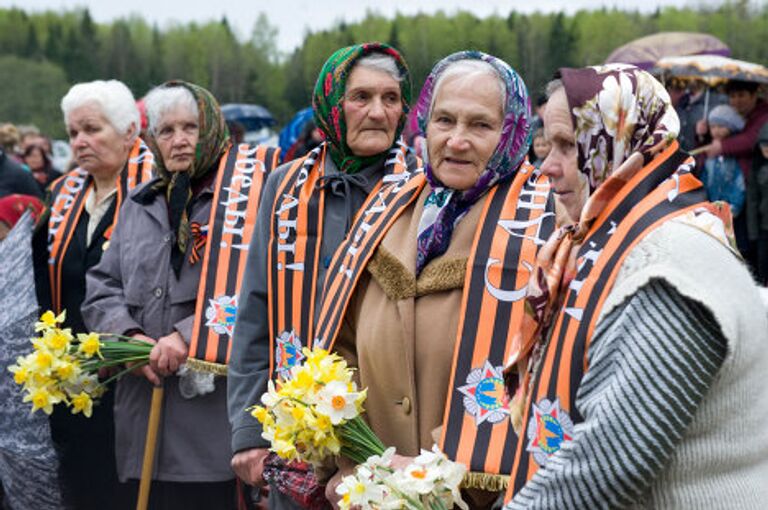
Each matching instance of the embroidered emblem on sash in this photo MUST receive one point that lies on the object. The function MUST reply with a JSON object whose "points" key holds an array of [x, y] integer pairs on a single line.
{"points": [[221, 314], [548, 428], [484, 396], [287, 353]]}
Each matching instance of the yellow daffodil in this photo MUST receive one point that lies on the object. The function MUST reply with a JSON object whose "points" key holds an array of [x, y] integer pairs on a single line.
{"points": [[82, 402], [20, 374], [49, 320], [43, 360], [57, 339], [66, 370], [42, 398], [90, 345]]}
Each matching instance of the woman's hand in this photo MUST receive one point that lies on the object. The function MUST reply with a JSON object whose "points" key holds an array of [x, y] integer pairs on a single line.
{"points": [[248, 465], [168, 354], [146, 370]]}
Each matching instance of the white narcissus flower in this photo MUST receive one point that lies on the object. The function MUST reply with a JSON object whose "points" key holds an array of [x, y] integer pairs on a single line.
{"points": [[337, 402], [360, 491], [385, 459]]}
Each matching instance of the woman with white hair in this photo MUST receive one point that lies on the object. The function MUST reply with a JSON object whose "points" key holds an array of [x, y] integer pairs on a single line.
{"points": [[103, 125], [151, 285], [427, 308]]}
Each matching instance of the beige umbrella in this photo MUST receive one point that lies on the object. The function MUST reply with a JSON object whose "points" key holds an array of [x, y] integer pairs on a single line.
{"points": [[646, 51], [712, 69]]}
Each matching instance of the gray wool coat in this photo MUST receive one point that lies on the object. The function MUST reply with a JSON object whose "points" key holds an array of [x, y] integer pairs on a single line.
{"points": [[135, 288]]}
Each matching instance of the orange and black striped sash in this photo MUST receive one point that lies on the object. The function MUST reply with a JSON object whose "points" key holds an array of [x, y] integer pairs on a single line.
{"points": [[238, 188], [68, 195], [517, 218], [662, 190], [294, 251]]}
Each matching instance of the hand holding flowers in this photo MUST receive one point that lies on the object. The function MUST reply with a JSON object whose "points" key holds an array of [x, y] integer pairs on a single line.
{"points": [[316, 413], [63, 368]]}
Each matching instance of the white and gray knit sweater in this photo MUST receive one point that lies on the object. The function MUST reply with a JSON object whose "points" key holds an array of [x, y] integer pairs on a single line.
{"points": [[675, 398]]}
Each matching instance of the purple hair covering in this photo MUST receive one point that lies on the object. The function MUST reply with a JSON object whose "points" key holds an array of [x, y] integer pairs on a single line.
{"points": [[445, 206]]}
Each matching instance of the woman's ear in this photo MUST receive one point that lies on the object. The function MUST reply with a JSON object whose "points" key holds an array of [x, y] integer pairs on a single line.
{"points": [[130, 135]]}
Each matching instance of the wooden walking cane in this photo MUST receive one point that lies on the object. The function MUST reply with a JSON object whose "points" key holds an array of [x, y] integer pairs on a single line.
{"points": [[153, 425]]}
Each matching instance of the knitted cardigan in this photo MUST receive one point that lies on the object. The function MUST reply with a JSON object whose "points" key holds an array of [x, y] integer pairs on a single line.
{"points": [[674, 401]]}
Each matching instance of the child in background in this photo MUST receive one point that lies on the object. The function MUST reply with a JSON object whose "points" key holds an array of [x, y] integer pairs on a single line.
{"points": [[757, 204], [722, 176], [540, 147]]}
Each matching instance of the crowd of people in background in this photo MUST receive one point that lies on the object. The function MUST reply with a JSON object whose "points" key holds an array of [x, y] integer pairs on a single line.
{"points": [[124, 244]]}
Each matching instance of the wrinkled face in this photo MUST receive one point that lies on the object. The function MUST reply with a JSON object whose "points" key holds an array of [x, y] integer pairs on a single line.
{"points": [[372, 109], [743, 101], [96, 146], [177, 134], [561, 165], [541, 147], [464, 129], [718, 132]]}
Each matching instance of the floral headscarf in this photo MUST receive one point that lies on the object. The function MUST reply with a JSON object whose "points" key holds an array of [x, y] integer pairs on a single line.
{"points": [[617, 111], [622, 118], [211, 145], [328, 105], [444, 206]]}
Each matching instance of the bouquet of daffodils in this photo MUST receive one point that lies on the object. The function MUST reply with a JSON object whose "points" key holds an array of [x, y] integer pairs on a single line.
{"points": [[431, 482], [63, 368], [316, 413]]}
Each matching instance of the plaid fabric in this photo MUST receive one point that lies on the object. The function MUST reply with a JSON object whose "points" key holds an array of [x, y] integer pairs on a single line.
{"points": [[297, 481]]}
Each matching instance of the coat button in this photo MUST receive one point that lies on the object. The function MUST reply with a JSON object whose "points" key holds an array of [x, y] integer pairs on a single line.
{"points": [[158, 292], [406, 403], [167, 238]]}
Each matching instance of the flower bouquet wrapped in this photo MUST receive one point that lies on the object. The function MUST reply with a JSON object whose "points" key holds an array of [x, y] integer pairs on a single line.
{"points": [[63, 368], [316, 413], [431, 482]]}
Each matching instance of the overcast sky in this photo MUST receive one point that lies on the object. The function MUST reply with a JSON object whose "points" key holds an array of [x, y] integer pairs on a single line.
{"points": [[294, 17]]}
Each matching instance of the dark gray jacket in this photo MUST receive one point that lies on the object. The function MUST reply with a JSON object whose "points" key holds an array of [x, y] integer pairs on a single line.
{"points": [[248, 369], [134, 288]]}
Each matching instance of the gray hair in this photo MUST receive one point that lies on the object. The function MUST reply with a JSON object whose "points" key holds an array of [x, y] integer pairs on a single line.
{"points": [[464, 70], [552, 87], [113, 98], [163, 99], [382, 63]]}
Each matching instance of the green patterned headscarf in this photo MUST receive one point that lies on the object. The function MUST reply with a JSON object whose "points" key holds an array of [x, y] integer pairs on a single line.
{"points": [[177, 186], [327, 102]]}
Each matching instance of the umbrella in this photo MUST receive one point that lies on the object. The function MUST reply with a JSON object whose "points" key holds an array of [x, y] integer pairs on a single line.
{"points": [[252, 116], [292, 130], [646, 51], [712, 69]]}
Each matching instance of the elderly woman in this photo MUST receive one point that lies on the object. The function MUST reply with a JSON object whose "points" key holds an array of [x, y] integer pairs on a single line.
{"points": [[360, 103], [147, 286], [102, 122], [652, 374], [428, 321]]}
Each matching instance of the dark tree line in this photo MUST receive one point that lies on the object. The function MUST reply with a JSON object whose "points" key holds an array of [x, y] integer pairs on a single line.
{"points": [[42, 54]]}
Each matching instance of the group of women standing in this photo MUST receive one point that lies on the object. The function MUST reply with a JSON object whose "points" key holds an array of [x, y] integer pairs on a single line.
{"points": [[560, 330]]}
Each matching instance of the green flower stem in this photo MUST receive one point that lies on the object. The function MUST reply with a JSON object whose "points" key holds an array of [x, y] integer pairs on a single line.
{"points": [[97, 364], [124, 339], [118, 375]]}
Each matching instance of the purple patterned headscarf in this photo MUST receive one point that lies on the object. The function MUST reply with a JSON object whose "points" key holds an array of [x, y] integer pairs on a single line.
{"points": [[444, 206]]}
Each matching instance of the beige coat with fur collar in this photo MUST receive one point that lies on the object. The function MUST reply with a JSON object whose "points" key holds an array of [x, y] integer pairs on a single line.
{"points": [[400, 331]]}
